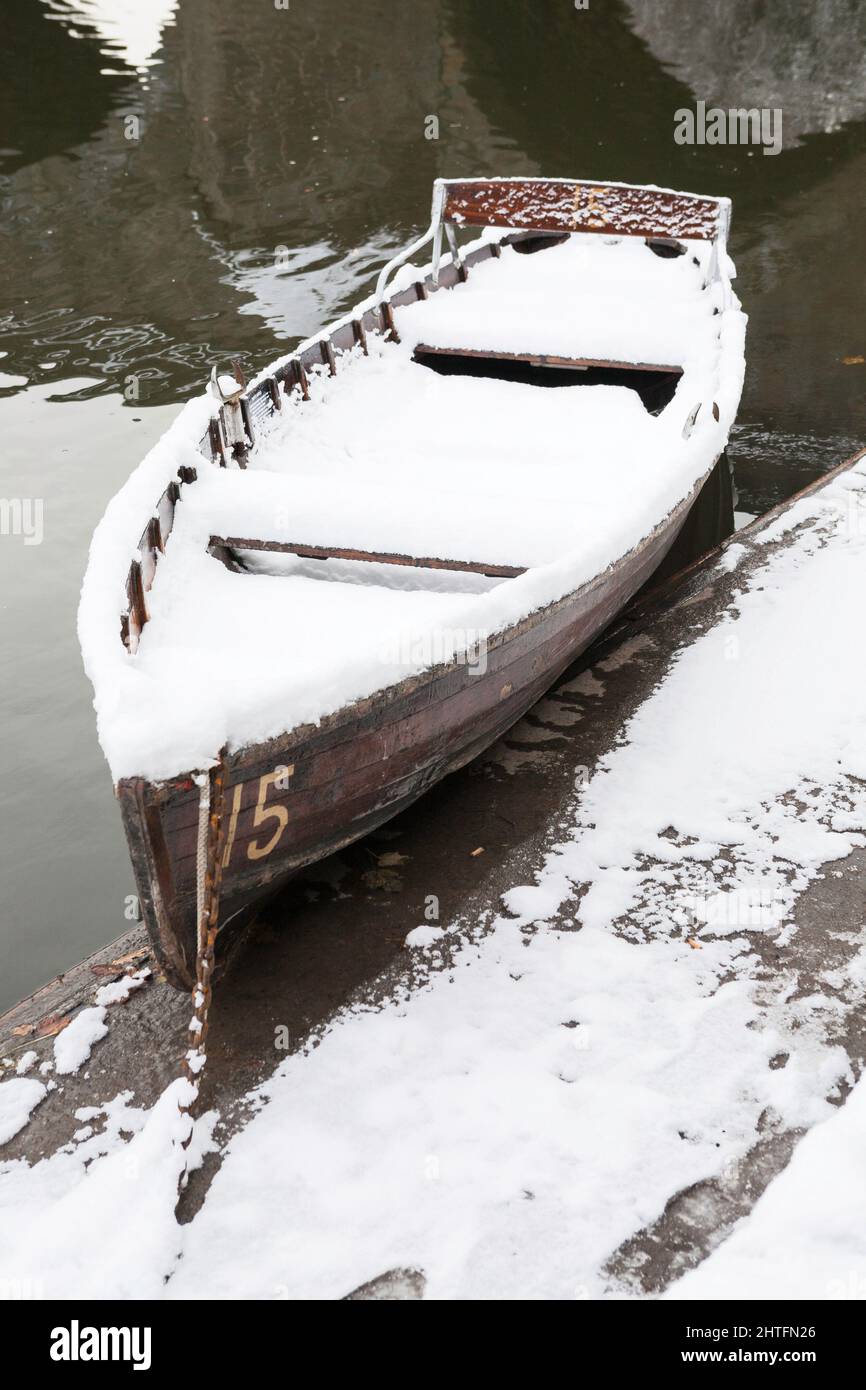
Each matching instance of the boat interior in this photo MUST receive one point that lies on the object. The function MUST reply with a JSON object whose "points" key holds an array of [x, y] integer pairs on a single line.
{"points": [[417, 455]]}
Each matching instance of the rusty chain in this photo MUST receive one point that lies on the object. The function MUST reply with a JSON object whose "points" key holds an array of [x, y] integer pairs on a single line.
{"points": [[210, 852]]}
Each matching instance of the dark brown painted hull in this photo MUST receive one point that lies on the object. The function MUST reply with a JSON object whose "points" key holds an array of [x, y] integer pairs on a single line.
{"points": [[300, 797]]}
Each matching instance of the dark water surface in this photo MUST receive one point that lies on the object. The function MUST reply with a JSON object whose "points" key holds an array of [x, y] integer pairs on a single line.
{"points": [[281, 157]]}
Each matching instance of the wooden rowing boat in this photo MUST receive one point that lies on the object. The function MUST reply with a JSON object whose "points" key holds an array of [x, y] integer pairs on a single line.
{"points": [[294, 491]]}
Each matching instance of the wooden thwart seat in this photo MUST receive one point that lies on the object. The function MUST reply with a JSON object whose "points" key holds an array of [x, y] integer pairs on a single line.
{"points": [[225, 547], [539, 359]]}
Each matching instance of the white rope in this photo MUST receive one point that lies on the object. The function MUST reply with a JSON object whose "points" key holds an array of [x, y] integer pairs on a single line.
{"points": [[201, 858]]}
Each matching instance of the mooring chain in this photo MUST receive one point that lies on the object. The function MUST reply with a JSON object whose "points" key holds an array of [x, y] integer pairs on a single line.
{"points": [[209, 867]]}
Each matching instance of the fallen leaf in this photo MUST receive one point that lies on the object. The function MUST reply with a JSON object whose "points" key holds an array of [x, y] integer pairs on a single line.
{"points": [[24, 1030], [475, 853], [52, 1024], [853, 361], [391, 858], [384, 879], [138, 954], [103, 970], [695, 945]]}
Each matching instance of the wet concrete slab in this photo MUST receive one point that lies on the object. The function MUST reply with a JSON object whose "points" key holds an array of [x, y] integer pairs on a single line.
{"points": [[337, 936]]}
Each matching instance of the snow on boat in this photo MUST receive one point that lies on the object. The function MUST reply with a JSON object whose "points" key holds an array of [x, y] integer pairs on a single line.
{"points": [[344, 581]]}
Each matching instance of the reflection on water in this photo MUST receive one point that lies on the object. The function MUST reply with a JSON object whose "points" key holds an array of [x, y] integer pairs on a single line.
{"points": [[772, 464], [807, 59], [297, 289], [63, 864], [128, 30], [278, 158]]}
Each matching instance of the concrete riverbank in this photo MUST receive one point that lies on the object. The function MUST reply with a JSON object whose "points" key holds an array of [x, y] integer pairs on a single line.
{"points": [[338, 938]]}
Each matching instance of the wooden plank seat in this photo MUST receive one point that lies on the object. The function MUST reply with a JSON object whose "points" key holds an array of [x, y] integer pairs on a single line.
{"points": [[547, 359], [226, 549]]}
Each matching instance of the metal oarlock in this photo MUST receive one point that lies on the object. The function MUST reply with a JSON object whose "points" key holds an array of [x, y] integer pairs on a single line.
{"points": [[433, 233], [691, 420]]}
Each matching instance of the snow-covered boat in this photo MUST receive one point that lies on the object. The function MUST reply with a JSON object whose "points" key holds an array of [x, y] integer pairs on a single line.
{"points": [[343, 581]]}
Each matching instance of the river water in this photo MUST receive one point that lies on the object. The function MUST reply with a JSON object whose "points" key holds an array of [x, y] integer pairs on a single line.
{"points": [[187, 182]]}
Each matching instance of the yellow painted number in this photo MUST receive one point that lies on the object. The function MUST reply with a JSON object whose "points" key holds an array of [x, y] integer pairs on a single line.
{"points": [[264, 813]]}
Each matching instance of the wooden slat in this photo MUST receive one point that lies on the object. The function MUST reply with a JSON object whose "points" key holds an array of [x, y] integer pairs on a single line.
{"points": [[247, 417], [154, 536], [148, 553], [165, 512], [300, 377], [135, 597], [151, 545], [388, 317], [360, 334], [274, 393], [217, 445], [538, 359], [556, 205], [317, 552]]}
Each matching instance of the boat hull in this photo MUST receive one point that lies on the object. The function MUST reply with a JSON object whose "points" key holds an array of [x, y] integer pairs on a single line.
{"points": [[301, 797]]}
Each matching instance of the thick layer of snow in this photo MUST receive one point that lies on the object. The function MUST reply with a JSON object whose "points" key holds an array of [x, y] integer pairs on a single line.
{"points": [[72, 1047], [425, 936], [340, 641], [760, 714], [625, 305], [96, 1219], [507, 1127], [18, 1099], [390, 456], [505, 1130], [806, 1238], [518, 474]]}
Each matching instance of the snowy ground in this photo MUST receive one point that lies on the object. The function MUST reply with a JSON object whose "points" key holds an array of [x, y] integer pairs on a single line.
{"points": [[620, 1035]]}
